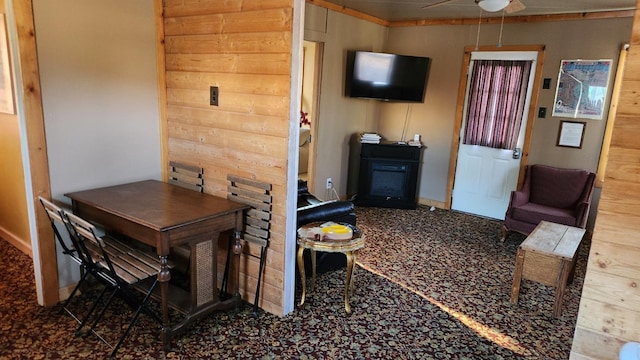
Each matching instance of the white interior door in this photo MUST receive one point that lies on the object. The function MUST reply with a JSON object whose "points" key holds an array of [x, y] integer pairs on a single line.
{"points": [[486, 176]]}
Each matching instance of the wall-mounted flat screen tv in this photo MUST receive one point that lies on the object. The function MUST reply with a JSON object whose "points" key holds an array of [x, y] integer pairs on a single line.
{"points": [[383, 76]]}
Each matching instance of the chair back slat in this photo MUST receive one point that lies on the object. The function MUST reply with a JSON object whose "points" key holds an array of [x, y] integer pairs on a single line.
{"points": [[256, 240], [120, 267], [257, 222], [258, 214], [256, 194], [186, 176], [246, 197], [54, 213]]}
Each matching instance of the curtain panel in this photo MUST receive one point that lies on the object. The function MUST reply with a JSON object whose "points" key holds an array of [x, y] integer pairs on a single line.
{"points": [[495, 108]]}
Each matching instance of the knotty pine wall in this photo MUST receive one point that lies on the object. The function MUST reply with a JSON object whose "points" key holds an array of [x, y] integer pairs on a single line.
{"points": [[244, 47], [609, 312]]}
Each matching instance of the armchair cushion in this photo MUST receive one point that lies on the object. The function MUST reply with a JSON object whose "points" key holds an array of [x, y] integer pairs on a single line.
{"points": [[557, 188], [548, 193]]}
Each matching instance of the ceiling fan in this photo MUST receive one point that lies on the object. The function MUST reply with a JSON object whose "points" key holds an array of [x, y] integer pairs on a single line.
{"points": [[509, 6]]}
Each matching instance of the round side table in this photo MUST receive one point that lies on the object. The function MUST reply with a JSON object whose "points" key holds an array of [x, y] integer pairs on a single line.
{"points": [[310, 239]]}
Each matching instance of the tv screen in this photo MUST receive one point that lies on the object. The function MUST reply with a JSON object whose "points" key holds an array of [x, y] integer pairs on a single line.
{"points": [[383, 76]]}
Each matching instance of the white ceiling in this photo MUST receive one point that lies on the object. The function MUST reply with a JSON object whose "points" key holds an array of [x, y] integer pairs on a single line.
{"points": [[402, 10]]}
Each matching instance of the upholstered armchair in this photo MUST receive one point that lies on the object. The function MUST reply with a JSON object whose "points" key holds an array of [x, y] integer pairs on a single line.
{"points": [[553, 194]]}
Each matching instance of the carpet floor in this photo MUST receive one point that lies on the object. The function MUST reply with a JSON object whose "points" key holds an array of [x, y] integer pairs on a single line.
{"points": [[429, 285]]}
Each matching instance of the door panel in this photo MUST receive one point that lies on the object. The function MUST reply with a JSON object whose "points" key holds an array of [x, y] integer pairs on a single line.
{"points": [[484, 176], [484, 180]]}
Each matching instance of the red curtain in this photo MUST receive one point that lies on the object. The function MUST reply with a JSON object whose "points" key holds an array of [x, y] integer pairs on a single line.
{"points": [[497, 95]]}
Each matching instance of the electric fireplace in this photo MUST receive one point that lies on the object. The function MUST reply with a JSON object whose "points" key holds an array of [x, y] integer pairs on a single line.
{"points": [[388, 175]]}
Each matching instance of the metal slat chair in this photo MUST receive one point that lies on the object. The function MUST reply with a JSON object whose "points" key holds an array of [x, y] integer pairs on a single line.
{"points": [[75, 251], [257, 223], [188, 177], [130, 269]]}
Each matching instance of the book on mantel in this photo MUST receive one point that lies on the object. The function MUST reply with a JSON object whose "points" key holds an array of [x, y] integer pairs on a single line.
{"points": [[370, 138]]}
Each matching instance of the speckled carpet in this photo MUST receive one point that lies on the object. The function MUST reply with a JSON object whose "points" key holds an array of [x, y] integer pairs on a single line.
{"points": [[430, 285]]}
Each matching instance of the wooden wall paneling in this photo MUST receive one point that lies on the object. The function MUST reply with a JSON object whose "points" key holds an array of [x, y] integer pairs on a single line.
{"points": [[198, 7], [616, 259], [271, 42], [243, 103], [628, 164], [265, 125], [264, 84], [615, 228], [617, 196], [271, 293], [244, 48], [610, 302], [595, 345], [269, 63], [609, 319], [633, 60], [628, 128], [259, 144], [256, 21]]}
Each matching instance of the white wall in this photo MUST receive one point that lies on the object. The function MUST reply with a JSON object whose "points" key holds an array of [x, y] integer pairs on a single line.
{"points": [[99, 89]]}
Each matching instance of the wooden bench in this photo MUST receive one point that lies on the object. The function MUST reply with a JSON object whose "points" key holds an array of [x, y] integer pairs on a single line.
{"points": [[547, 256]]}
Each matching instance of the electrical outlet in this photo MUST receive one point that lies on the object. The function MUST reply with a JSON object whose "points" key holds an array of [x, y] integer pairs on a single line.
{"points": [[213, 95], [329, 184]]}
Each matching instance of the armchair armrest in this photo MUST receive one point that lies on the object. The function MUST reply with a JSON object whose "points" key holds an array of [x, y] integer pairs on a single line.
{"points": [[519, 198], [582, 214]]}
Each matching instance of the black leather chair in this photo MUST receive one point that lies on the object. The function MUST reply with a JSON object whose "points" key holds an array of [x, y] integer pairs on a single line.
{"points": [[312, 209]]}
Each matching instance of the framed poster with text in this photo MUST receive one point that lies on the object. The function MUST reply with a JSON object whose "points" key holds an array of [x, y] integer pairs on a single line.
{"points": [[582, 89]]}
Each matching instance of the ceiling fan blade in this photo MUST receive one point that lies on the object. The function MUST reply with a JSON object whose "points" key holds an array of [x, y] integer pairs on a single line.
{"points": [[436, 3], [514, 6]]}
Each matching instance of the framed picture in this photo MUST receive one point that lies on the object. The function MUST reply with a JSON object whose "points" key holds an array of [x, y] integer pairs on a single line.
{"points": [[6, 87], [582, 89], [571, 134]]}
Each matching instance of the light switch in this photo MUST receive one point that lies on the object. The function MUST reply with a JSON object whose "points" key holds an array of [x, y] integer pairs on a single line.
{"points": [[542, 112], [213, 95]]}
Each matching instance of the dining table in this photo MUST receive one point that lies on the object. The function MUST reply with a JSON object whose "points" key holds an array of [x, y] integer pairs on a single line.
{"points": [[163, 216]]}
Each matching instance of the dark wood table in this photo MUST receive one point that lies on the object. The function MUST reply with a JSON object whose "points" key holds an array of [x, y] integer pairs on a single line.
{"points": [[162, 215]]}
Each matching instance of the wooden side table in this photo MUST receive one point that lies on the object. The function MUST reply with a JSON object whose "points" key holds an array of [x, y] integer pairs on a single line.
{"points": [[547, 256], [308, 239]]}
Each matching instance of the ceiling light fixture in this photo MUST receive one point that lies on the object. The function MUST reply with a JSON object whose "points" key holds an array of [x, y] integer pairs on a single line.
{"points": [[493, 5]]}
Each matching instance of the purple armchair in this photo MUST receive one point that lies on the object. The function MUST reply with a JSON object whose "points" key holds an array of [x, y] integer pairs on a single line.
{"points": [[548, 193]]}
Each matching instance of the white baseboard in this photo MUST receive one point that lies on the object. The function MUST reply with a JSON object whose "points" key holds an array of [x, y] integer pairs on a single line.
{"points": [[64, 292], [21, 244]]}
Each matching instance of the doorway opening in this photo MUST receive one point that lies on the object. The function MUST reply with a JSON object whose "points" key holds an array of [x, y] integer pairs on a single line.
{"points": [[309, 111]]}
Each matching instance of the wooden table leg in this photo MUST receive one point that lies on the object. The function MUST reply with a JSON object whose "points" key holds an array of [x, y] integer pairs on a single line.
{"points": [[517, 276], [347, 285], [565, 269], [164, 275], [303, 279], [237, 250], [313, 269]]}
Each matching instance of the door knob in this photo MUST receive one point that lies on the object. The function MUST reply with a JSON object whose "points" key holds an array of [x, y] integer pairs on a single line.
{"points": [[517, 153]]}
